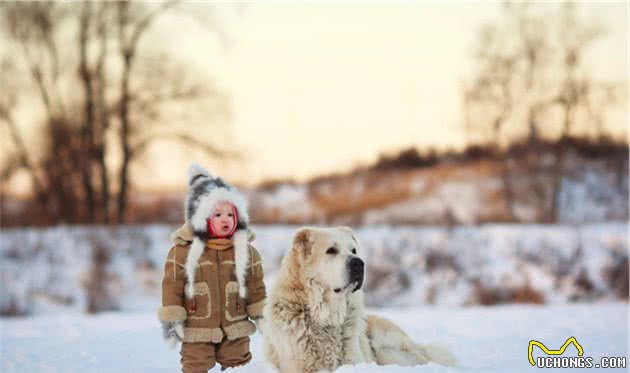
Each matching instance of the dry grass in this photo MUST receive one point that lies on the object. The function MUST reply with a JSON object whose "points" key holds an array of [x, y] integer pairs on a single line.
{"points": [[491, 295]]}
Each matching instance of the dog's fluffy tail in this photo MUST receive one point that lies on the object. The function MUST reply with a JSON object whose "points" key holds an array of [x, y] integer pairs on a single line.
{"points": [[391, 345], [440, 354]]}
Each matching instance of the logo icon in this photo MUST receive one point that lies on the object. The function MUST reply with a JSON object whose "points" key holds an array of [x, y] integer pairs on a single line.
{"points": [[559, 351]]}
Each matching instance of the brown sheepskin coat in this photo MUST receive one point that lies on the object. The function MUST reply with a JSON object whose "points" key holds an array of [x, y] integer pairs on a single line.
{"points": [[219, 310]]}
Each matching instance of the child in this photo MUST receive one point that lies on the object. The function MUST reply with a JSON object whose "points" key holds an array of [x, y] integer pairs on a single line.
{"points": [[213, 278]]}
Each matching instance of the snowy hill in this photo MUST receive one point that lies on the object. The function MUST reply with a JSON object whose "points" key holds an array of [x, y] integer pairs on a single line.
{"points": [[516, 189], [492, 339]]}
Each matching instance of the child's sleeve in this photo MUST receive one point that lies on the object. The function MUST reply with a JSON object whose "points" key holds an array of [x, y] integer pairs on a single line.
{"points": [[256, 292], [173, 287]]}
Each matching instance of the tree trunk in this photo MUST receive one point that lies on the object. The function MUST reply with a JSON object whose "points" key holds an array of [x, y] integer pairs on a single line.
{"points": [[508, 190], [558, 172], [128, 48], [124, 139], [87, 137], [103, 116]]}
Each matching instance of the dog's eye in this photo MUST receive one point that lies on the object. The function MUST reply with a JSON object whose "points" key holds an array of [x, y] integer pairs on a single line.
{"points": [[354, 251], [332, 251]]}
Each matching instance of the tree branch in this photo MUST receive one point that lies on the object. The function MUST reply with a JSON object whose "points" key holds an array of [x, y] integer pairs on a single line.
{"points": [[144, 24], [21, 152], [210, 149]]}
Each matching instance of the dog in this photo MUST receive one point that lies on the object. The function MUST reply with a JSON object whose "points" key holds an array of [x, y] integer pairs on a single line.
{"points": [[314, 316]]}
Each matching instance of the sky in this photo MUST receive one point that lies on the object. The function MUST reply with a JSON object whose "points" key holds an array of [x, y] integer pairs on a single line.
{"points": [[318, 87]]}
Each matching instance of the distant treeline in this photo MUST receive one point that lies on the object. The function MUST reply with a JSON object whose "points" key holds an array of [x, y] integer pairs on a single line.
{"points": [[587, 147]]}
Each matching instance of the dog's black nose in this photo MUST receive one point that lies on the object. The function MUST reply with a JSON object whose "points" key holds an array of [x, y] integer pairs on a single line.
{"points": [[356, 265], [356, 268]]}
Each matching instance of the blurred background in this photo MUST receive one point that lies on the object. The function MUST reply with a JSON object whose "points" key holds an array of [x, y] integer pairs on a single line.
{"points": [[479, 150]]}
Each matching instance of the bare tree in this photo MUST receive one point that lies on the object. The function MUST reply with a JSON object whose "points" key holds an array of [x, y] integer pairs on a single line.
{"points": [[510, 84], [69, 172], [31, 27], [87, 127], [165, 86], [103, 122], [575, 88], [529, 65], [492, 96], [131, 27]]}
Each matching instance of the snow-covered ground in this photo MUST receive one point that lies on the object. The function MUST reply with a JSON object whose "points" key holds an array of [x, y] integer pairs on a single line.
{"points": [[484, 339], [44, 273]]}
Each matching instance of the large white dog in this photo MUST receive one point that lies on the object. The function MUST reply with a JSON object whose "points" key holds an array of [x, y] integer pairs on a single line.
{"points": [[314, 317]]}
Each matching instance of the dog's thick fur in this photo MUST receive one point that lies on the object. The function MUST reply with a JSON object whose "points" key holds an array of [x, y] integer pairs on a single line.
{"points": [[308, 327]]}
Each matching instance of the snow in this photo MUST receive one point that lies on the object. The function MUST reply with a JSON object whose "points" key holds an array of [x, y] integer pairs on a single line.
{"points": [[484, 339], [590, 190], [44, 271], [592, 194], [277, 200]]}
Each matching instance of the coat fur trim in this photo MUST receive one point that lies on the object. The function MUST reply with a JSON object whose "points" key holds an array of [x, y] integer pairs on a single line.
{"points": [[239, 329], [241, 240], [193, 335], [172, 313], [184, 235]]}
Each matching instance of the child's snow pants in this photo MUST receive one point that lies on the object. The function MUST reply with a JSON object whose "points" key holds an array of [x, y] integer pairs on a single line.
{"points": [[200, 357]]}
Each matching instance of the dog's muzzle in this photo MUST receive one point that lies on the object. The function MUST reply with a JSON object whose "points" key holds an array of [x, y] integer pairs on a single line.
{"points": [[356, 269]]}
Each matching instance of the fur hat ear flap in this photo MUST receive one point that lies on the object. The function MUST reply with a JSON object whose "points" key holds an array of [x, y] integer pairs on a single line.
{"points": [[192, 261], [240, 239], [301, 242]]}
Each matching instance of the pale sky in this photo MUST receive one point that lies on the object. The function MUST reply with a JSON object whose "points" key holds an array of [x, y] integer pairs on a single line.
{"points": [[317, 88]]}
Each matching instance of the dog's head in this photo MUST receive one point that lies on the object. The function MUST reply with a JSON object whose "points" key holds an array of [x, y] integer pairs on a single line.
{"points": [[331, 258]]}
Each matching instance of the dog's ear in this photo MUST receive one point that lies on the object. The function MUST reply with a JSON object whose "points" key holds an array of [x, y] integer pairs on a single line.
{"points": [[302, 241], [348, 230]]}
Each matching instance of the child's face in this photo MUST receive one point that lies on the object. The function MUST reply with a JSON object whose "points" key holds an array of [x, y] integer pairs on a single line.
{"points": [[223, 219]]}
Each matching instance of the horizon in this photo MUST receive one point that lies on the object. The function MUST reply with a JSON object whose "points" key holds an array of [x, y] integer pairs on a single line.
{"points": [[441, 156]]}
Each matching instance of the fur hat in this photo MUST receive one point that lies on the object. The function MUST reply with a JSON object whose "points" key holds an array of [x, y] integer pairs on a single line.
{"points": [[205, 192]]}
